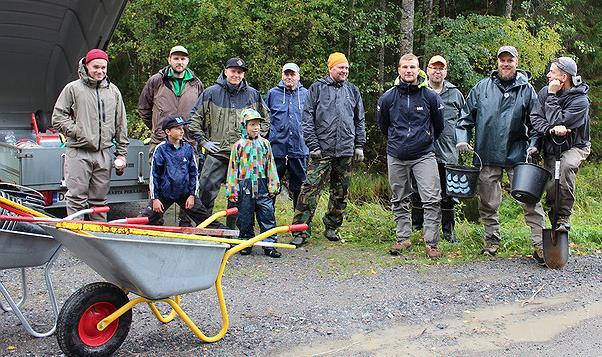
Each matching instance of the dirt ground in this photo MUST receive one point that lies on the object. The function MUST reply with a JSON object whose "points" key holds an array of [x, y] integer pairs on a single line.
{"points": [[311, 302]]}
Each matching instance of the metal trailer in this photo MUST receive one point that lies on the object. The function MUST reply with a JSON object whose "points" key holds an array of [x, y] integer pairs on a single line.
{"points": [[41, 43]]}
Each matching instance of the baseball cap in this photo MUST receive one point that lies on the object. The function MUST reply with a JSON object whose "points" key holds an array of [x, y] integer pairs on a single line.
{"points": [[566, 64], [250, 114], [178, 48], [510, 49], [290, 67], [96, 54], [173, 120], [438, 59], [236, 62]]}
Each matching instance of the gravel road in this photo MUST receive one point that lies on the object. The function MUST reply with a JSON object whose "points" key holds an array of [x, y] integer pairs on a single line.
{"points": [[331, 299]]}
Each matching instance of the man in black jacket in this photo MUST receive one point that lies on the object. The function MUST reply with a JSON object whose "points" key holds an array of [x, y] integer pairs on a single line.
{"points": [[334, 131], [561, 116], [410, 115]]}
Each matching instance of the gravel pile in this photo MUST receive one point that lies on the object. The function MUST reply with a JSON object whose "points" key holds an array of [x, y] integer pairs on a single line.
{"points": [[277, 305]]}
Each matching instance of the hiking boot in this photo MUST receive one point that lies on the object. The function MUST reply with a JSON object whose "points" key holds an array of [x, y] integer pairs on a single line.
{"points": [[299, 240], [398, 247], [490, 249], [450, 237], [538, 255], [332, 235], [433, 252], [272, 253], [246, 251]]}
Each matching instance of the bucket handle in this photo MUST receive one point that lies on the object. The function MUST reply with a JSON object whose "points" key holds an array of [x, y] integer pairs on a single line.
{"points": [[478, 157]]}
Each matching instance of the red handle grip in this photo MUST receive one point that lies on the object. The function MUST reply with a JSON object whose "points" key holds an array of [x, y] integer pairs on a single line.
{"points": [[101, 209], [137, 220], [298, 227], [231, 211], [18, 218]]}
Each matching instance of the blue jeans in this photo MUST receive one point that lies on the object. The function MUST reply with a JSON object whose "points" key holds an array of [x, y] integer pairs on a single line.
{"points": [[249, 207]]}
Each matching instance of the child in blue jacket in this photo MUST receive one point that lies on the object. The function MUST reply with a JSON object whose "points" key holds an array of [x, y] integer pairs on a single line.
{"points": [[173, 177]]}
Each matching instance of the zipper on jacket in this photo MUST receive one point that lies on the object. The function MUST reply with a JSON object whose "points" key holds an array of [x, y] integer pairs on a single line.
{"points": [[408, 113], [100, 115]]}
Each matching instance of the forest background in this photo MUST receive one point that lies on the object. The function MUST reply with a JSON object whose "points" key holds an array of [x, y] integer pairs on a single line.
{"points": [[373, 35]]}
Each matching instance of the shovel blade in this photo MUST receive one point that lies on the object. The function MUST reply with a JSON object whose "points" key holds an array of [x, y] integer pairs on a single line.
{"points": [[555, 248]]}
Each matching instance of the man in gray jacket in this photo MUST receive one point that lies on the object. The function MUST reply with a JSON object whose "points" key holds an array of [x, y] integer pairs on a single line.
{"points": [[498, 109], [561, 116], [90, 113], [445, 146], [334, 131]]}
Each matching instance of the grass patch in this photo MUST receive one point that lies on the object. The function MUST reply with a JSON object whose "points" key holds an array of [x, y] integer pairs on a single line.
{"points": [[369, 228]]}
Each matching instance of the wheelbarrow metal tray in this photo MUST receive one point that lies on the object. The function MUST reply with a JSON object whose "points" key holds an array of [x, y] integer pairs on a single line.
{"points": [[152, 267], [23, 249]]}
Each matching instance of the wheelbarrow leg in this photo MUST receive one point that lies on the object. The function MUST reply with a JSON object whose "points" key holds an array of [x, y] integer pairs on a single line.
{"points": [[23, 297]]}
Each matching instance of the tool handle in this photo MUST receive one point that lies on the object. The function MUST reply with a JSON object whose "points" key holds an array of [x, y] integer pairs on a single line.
{"points": [[101, 209], [231, 211], [298, 227]]}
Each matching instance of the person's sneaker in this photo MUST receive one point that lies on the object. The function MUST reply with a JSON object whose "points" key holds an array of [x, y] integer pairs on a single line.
{"points": [[298, 241], [490, 249], [272, 253], [398, 247], [433, 252], [563, 227], [538, 255], [246, 251], [332, 235]]}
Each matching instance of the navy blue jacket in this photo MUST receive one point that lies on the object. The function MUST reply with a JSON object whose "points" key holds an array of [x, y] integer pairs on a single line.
{"points": [[286, 111], [173, 171], [411, 117]]}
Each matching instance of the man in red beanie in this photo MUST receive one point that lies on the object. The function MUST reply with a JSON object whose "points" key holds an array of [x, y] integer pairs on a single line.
{"points": [[90, 113]]}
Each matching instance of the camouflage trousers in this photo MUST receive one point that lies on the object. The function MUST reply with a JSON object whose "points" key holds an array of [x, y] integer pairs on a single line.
{"points": [[337, 171]]}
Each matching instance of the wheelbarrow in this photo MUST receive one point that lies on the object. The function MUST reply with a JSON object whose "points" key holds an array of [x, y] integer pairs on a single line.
{"points": [[157, 266], [23, 246]]}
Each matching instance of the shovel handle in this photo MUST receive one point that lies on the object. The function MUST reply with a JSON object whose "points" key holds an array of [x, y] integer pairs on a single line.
{"points": [[231, 211]]}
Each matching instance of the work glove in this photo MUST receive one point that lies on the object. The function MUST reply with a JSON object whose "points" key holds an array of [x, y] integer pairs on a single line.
{"points": [[211, 146], [316, 154], [463, 147], [358, 156], [532, 151]]}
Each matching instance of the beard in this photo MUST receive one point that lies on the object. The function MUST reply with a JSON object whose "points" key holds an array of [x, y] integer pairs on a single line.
{"points": [[508, 76]]}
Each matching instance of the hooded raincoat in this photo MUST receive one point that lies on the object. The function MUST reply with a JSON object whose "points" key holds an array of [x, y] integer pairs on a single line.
{"points": [[499, 113]]}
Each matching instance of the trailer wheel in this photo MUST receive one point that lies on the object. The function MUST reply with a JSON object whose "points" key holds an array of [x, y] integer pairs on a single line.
{"points": [[76, 330]]}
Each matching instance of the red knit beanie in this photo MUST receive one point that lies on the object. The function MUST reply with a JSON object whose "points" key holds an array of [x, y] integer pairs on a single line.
{"points": [[96, 54]]}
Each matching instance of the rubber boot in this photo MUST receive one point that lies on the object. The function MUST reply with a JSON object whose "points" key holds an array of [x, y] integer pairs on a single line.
{"points": [[447, 224]]}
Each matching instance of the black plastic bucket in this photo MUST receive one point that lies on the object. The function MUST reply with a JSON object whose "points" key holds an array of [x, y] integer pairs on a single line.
{"points": [[461, 181], [529, 182]]}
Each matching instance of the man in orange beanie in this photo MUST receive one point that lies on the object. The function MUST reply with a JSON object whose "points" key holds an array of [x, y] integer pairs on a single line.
{"points": [[334, 131]]}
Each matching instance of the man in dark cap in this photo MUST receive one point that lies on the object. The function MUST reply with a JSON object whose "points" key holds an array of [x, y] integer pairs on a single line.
{"points": [[89, 155], [561, 116], [215, 120], [498, 109]]}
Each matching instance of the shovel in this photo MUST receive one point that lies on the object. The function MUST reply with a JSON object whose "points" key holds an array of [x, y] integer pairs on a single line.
{"points": [[556, 240]]}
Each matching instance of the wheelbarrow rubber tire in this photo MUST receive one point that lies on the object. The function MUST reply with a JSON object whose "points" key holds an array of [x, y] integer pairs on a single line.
{"points": [[76, 327]]}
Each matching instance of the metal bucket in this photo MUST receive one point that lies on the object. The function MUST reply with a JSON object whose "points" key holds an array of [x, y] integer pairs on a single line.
{"points": [[461, 181], [529, 182]]}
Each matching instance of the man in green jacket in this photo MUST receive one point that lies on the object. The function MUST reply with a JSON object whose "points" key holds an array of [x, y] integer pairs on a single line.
{"points": [[90, 113], [215, 125], [498, 109]]}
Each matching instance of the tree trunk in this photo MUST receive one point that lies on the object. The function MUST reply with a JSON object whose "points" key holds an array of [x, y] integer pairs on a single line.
{"points": [[407, 27], [381, 50], [508, 9], [428, 9]]}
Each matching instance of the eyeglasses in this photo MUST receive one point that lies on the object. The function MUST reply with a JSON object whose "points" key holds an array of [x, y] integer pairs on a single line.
{"points": [[435, 69]]}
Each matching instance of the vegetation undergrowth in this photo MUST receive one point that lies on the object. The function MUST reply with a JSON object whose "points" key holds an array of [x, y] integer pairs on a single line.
{"points": [[369, 228]]}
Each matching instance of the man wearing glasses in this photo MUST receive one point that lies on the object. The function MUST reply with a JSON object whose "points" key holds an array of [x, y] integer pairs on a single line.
{"points": [[445, 146]]}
